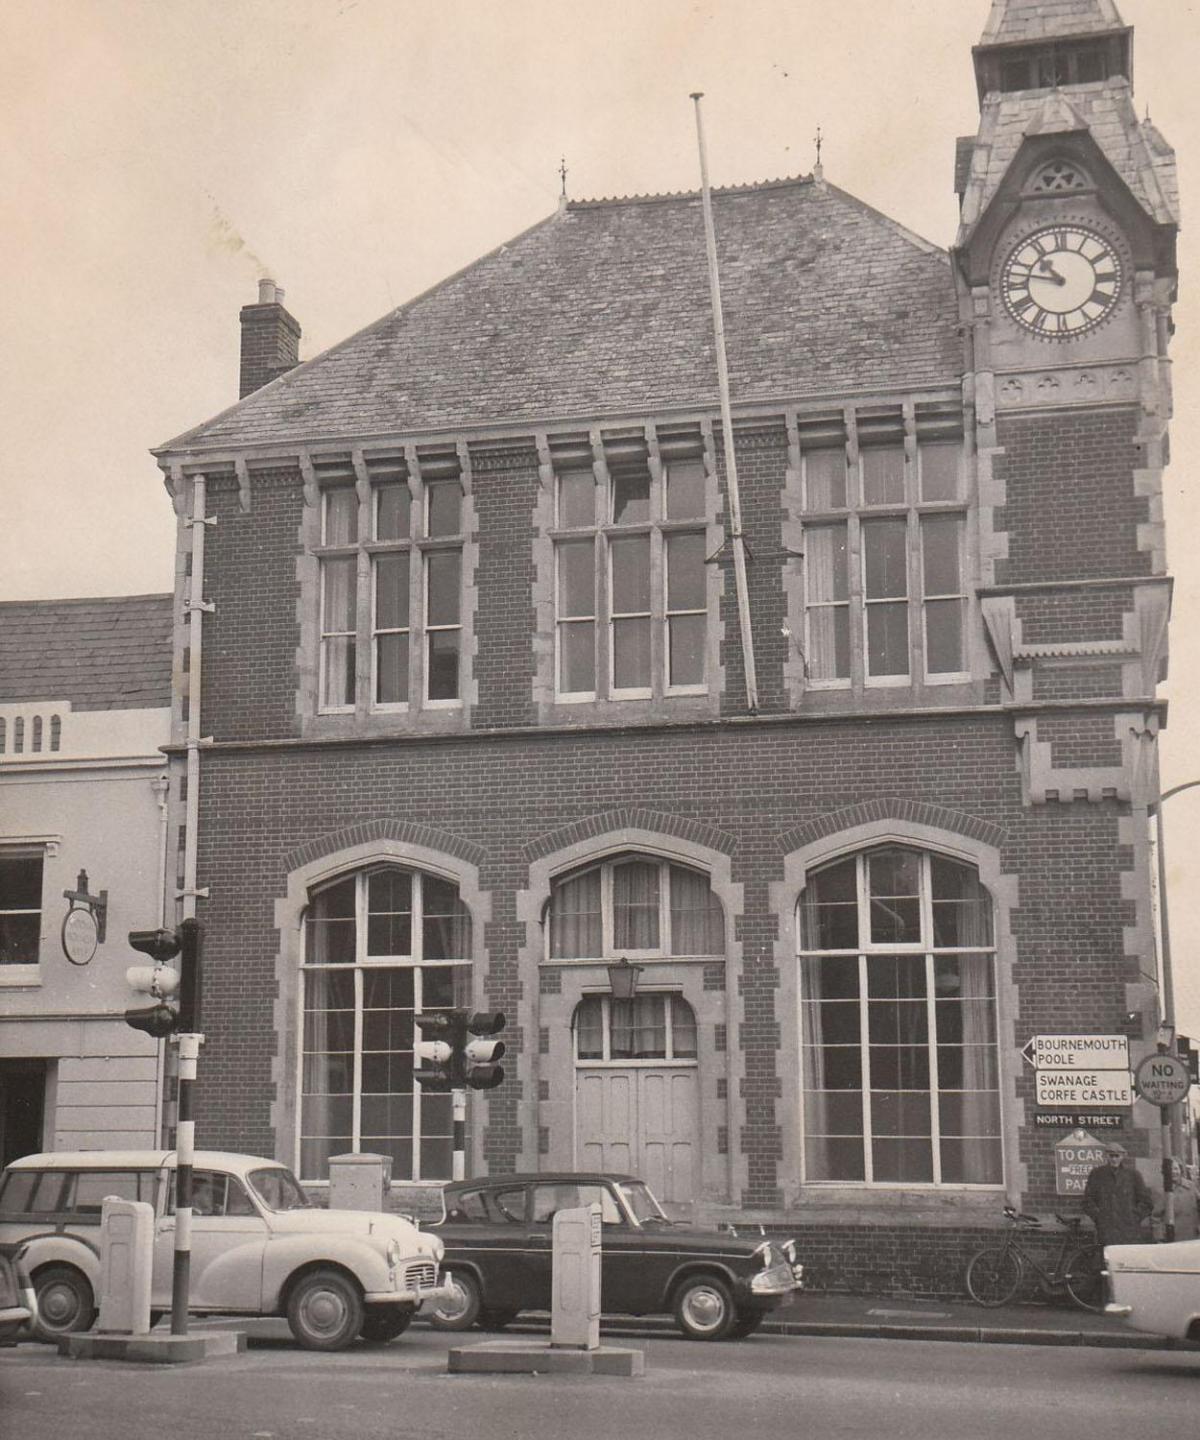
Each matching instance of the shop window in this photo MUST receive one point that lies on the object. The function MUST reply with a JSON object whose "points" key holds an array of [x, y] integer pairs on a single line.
{"points": [[899, 1066], [20, 906], [380, 947]]}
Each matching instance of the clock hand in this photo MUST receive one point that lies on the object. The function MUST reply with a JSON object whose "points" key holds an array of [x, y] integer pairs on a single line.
{"points": [[1048, 272]]}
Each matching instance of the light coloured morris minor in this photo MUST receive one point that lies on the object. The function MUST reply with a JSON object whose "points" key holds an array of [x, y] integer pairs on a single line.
{"points": [[259, 1247], [1155, 1287]]}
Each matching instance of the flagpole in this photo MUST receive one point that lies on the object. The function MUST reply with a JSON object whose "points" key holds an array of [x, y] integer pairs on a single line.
{"points": [[731, 475]]}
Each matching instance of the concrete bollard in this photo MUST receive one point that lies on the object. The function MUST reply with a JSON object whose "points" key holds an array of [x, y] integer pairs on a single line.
{"points": [[126, 1265], [575, 1279]]}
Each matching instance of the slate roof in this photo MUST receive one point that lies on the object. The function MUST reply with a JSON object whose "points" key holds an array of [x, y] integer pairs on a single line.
{"points": [[104, 653], [603, 309], [1015, 22], [1135, 148]]}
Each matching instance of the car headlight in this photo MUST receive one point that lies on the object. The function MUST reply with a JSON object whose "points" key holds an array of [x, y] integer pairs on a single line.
{"points": [[394, 1253], [763, 1252], [439, 1248]]}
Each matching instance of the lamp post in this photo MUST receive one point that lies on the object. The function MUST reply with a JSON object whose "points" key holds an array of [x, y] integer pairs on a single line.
{"points": [[1172, 1127]]}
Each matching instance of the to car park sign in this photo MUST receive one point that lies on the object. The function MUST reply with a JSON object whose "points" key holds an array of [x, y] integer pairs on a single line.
{"points": [[1075, 1156]]}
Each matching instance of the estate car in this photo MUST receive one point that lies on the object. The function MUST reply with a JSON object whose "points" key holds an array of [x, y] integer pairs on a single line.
{"points": [[1155, 1287], [259, 1247], [498, 1237]]}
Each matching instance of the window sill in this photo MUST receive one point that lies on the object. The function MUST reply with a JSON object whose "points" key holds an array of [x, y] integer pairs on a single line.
{"points": [[20, 976]]}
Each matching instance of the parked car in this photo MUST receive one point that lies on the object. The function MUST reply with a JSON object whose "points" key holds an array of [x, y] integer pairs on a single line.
{"points": [[498, 1238], [18, 1305], [259, 1247], [1155, 1287]]}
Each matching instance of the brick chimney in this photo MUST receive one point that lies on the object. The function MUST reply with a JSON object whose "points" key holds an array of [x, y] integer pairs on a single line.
{"points": [[270, 339]]}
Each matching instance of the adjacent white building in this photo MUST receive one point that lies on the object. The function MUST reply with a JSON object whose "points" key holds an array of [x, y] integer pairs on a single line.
{"points": [[85, 691]]}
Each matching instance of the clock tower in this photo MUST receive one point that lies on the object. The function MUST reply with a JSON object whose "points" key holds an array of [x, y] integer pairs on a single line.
{"points": [[1065, 267]]}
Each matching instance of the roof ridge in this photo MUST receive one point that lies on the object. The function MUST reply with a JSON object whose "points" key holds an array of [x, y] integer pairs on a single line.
{"points": [[665, 196], [164, 595]]}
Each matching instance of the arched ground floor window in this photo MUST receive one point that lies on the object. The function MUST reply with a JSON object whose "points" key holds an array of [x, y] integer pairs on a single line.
{"points": [[899, 1069], [379, 946]]}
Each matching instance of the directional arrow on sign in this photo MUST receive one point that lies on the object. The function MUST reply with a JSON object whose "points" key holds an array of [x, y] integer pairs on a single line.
{"points": [[1027, 1051]]}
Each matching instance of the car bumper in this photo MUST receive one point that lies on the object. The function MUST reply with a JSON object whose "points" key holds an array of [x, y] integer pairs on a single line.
{"points": [[411, 1295], [777, 1281]]}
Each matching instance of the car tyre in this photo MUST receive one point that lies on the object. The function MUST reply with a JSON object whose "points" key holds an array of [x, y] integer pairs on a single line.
{"points": [[325, 1311], [382, 1323], [704, 1308], [65, 1300], [463, 1308], [746, 1323], [490, 1319]]}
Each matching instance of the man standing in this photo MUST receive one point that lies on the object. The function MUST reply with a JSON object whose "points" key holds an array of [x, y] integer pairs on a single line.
{"points": [[1116, 1199]]}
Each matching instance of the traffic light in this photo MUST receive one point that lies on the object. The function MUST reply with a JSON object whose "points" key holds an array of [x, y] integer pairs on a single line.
{"points": [[448, 1058], [174, 992], [159, 981], [480, 1070], [434, 1057], [1187, 1051]]}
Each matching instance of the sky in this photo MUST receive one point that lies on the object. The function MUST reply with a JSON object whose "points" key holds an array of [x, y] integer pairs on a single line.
{"points": [[159, 157]]}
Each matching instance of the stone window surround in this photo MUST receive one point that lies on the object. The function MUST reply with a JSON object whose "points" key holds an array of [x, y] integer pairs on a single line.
{"points": [[406, 464], [289, 921], [910, 423], [784, 900], [658, 443], [685, 976]]}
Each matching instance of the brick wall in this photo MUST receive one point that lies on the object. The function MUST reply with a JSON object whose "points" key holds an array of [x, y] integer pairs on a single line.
{"points": [[1070, 509]]}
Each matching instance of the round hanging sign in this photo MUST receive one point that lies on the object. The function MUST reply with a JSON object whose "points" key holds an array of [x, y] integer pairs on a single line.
{"points": [[79, 935]]}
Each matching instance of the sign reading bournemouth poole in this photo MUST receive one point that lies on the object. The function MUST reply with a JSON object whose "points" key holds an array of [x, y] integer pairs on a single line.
{"points": [[1081, 1071]]}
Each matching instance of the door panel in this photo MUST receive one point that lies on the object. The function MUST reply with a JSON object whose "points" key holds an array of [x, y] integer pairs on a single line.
{"points": [[642, 1121]]}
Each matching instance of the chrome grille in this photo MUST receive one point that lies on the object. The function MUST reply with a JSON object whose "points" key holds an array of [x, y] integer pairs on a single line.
{"points": [[422, 1276]]}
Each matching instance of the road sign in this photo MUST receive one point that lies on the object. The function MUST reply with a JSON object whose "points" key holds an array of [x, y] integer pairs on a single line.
{"points": [[1163, 1079], [1084, 1089], [1075, 1156], [1077, 1052], [1075, 1119]]}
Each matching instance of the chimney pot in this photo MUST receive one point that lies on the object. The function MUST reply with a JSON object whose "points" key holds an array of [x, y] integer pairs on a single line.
{"points": [[270, 339]]}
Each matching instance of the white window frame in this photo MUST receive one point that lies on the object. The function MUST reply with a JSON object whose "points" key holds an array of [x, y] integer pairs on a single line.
{"points": [[608, 948], [360, 965], [28, 972], [860, 957], [608, 1061]]}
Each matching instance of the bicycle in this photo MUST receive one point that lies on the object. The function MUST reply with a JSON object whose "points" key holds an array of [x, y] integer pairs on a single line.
{"points": [[995, 1273]]}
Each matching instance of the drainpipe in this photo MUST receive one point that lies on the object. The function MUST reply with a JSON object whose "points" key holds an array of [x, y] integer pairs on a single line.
{"points": [[196, 609], [161, 785]]}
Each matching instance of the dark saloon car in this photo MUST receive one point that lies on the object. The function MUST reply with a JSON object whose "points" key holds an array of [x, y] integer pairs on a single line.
{"points": [[17, 1304], [498, 1236]]}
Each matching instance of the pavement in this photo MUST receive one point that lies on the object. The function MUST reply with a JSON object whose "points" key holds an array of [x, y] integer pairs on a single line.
{"points": [[892, 1318]]}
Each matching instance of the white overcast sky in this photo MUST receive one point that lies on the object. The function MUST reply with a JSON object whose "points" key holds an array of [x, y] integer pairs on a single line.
{"points": [[159, 156]]}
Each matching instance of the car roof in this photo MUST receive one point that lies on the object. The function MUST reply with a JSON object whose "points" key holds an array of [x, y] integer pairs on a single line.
{"points": [[545, 1177], [136, 1160]]}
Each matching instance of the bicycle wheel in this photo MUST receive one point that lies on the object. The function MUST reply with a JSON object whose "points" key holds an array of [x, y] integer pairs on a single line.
{"points": [[994, 1275], [1084, 1277]]}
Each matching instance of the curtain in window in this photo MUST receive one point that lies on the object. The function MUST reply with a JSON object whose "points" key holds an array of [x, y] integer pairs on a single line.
{"points": [[575, 928], [697, 920], [635, 906]]}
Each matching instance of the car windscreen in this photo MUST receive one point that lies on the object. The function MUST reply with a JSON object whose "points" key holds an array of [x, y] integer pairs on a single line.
{"points": [[278, 1189], [644, 1207]]}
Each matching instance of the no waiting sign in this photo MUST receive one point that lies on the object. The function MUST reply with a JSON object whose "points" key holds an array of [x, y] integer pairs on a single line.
{"points": [[1163, 1079]]}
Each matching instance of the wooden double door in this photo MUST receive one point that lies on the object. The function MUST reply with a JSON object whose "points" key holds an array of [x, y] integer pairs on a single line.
{"points": [[641, 1120]]}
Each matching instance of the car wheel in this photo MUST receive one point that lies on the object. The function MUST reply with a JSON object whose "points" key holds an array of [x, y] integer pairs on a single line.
{"points": [[65, 1300], [490, 1319], [704, 1308], [746, 1323], [462, 1309], [325, 1311], [382, 1323]]}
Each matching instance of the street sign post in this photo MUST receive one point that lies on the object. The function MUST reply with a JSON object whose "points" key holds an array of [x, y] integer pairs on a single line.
{"points": [[1083, 1089], [1077, 1052]]}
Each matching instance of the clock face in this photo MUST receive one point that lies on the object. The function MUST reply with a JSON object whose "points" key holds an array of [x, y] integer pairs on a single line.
{"points": [[1061, 281]]}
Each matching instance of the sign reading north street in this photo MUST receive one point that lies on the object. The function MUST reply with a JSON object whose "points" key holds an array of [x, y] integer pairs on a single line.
{"points": [[1083, 1089], [1073, 1119], [1077, 1052]]}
